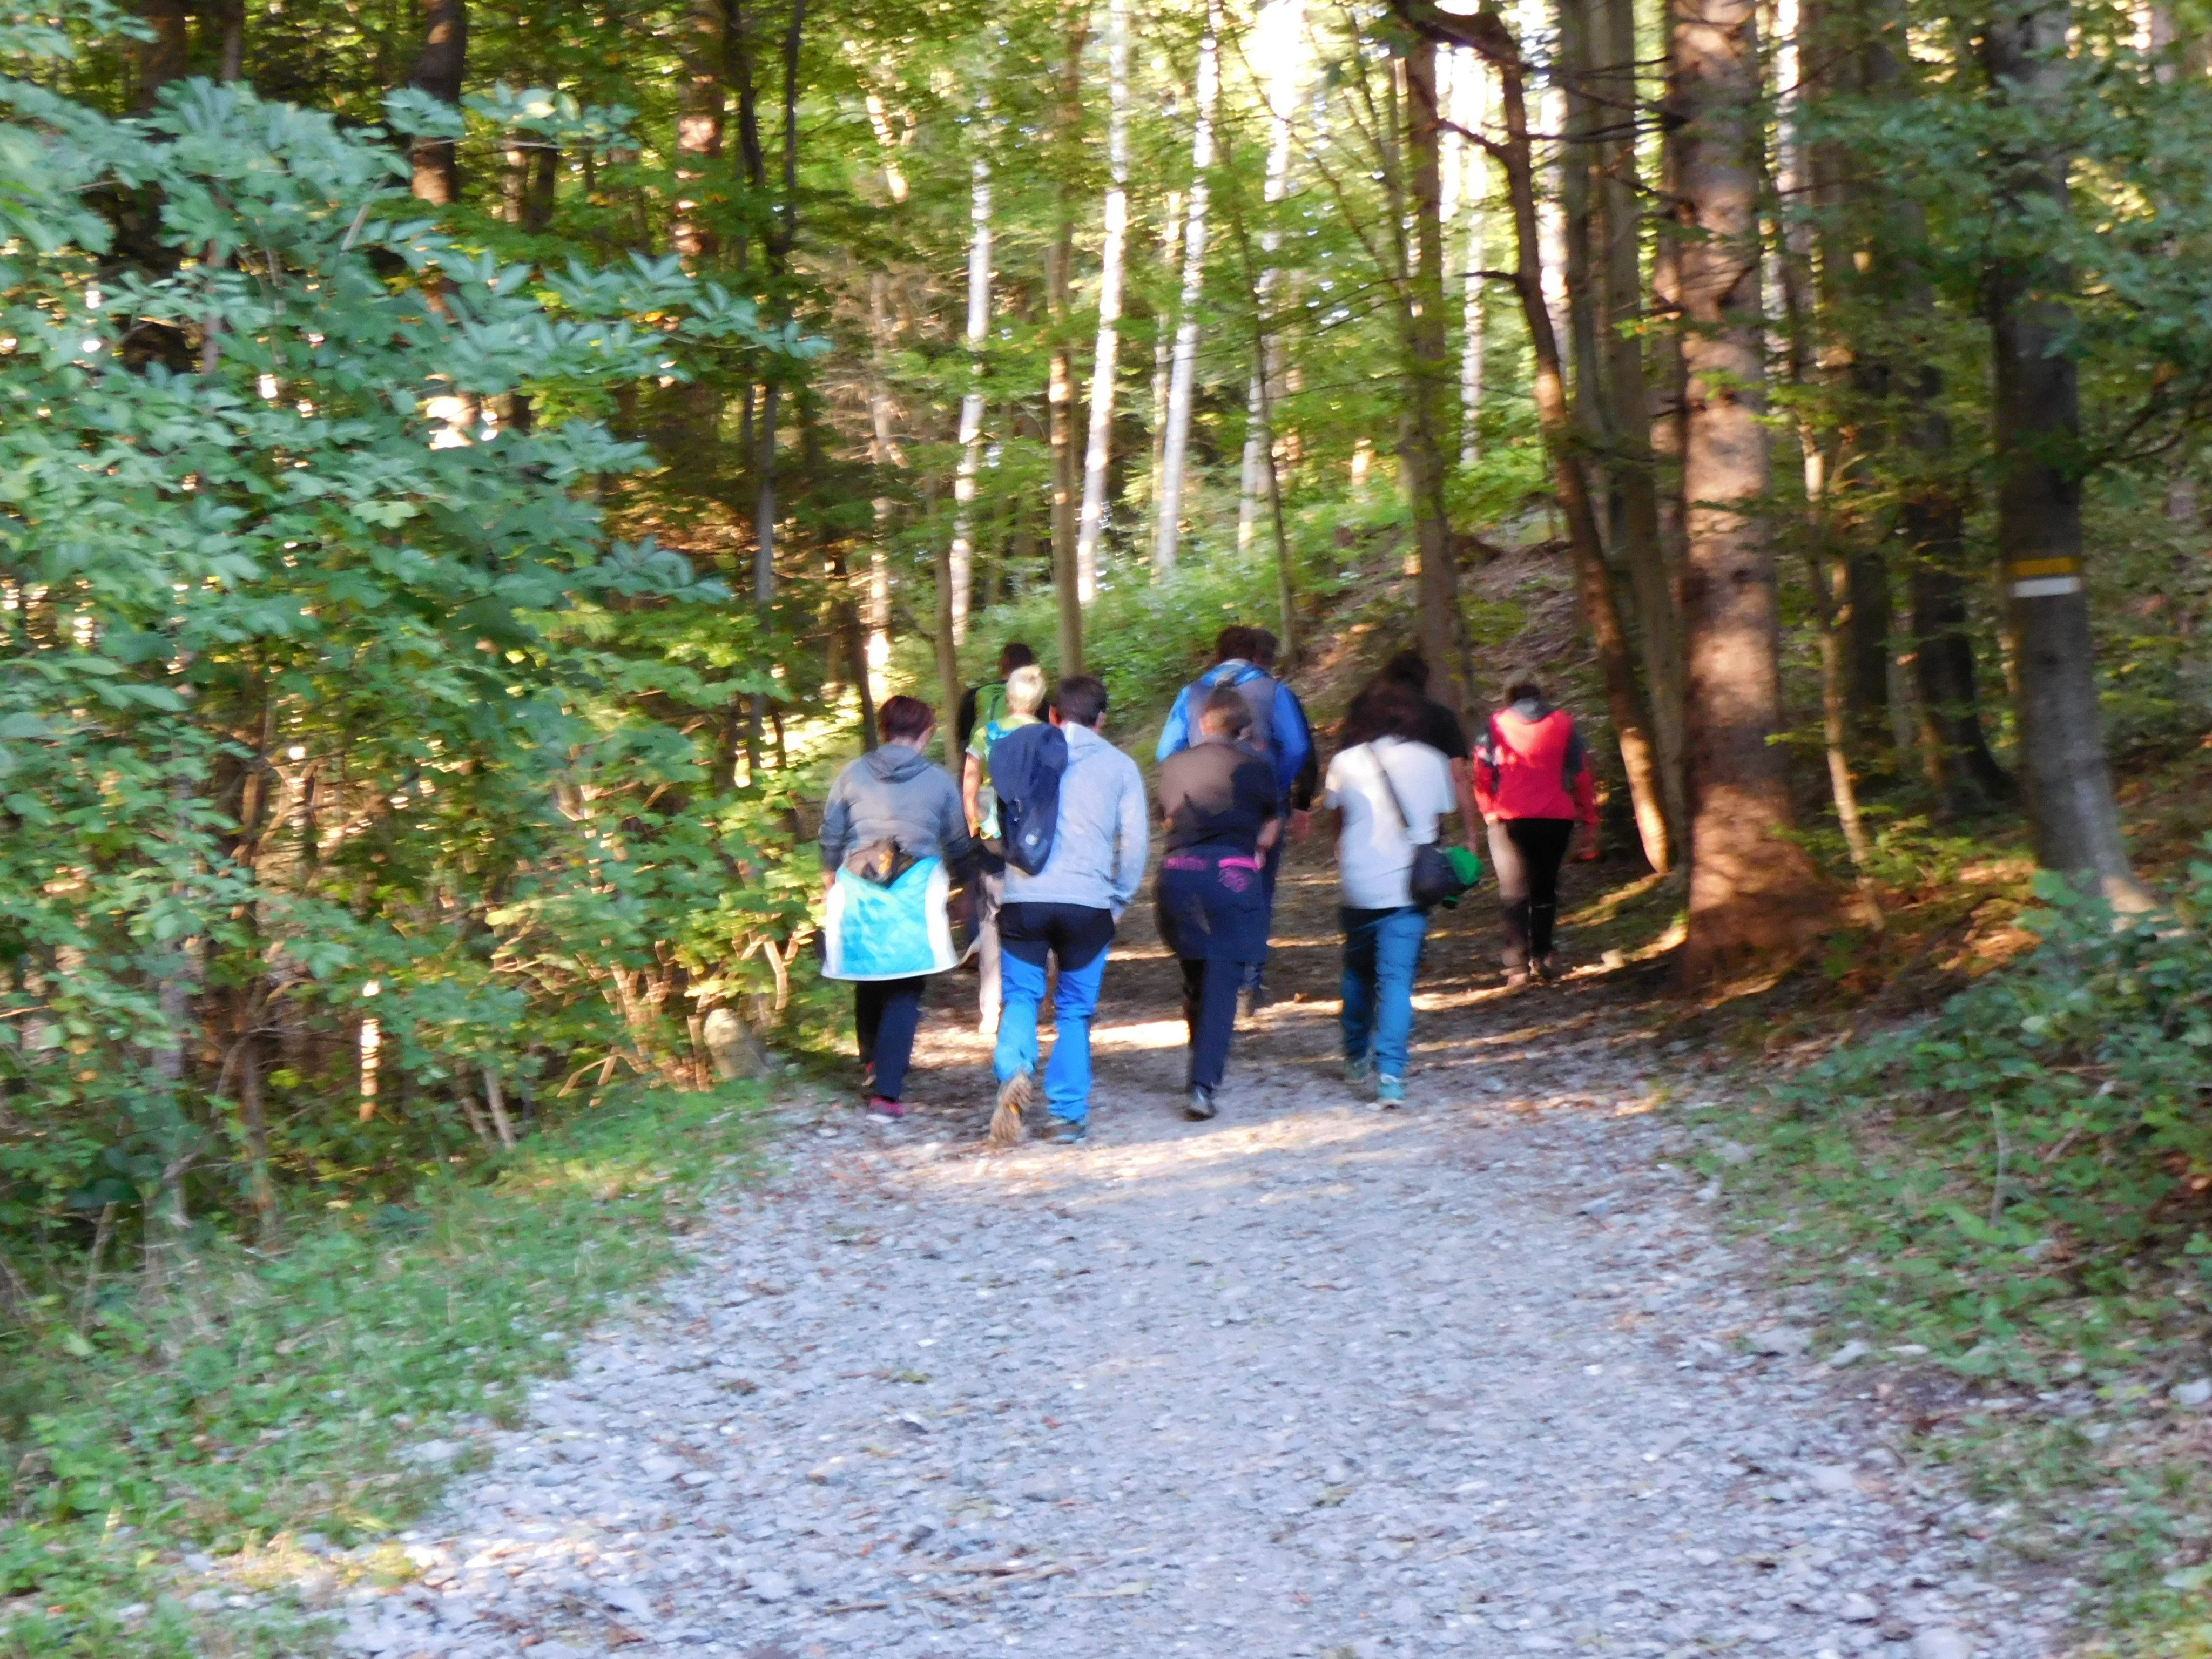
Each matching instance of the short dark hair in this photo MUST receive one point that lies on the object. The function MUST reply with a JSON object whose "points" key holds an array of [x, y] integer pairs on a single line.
{"points": [[1385, 709], [1408, 668], [1081, 700], [1226, 704], [1523, 682], [903, 719], [1265, 646], [1234, 643], [1015, 655]]}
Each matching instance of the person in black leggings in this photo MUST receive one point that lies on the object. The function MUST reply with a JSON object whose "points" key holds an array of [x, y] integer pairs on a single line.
{"points": [[1533, 784]]}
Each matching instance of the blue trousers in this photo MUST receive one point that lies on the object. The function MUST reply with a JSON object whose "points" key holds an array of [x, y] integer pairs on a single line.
{"points": [[1021, 979], [1381, 955], [1254, 973]]}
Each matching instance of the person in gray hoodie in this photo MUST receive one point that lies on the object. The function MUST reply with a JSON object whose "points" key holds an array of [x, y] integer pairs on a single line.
{"points": [[1067, 912], [894, 794]]}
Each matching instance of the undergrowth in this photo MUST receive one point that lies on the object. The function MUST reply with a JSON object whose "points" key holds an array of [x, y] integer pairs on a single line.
{"points": [[265, 1394], [2013, 1194]]}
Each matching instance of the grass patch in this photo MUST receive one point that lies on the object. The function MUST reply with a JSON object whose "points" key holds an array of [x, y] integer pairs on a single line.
{"points": [[268, 1394]]}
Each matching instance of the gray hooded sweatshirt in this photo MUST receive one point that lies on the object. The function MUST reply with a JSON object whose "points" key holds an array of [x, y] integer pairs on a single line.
{"points": [[895, 793]]}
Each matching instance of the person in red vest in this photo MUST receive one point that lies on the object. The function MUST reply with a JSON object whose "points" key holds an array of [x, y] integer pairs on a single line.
{"points": [[1531, 781]]}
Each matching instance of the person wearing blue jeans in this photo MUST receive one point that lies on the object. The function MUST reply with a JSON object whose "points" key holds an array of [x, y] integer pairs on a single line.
{"points": [[1065, 912], [1391, 791]]}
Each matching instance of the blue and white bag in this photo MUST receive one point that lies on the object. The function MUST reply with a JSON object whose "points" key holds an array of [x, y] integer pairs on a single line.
{"points": [[897, 930]]}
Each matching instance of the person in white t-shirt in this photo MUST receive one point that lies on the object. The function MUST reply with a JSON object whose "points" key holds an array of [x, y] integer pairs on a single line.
{"points": [[1389, 790]]}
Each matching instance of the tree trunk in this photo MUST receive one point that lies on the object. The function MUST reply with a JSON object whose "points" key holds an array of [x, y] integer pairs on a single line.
{"points": [[2069, 784], [1470, 83], [1097, 453], [439, 71], [1281, 73], [949, 686], [885, 454], [1753, 893], [701, 103], [961, 558], [1427, 372], [1627, 401], [1175, 450], [1060, 388], [166, 55]]}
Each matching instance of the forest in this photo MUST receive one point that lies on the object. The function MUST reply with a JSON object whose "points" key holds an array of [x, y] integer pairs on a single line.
{"points": [[464, 469]]}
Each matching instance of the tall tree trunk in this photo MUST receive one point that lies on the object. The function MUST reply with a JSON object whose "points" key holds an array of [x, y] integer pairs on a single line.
{"points": [[701, 103], [948, 685], [165, 54], [1278, 45], [1175, 453], [1627, 401], [1098, 454], [1753, 893], [2075, 821], [231, 54], [885, 454], [960, 571], [1470, 86], [439, 70], [1060, 388]]}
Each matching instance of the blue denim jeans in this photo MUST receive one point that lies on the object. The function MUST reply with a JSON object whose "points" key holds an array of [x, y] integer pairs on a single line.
{"points": [[1068, 1077], [1381, 955]]}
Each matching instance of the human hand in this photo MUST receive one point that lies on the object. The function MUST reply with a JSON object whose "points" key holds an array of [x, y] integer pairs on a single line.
{"points": [[1586, 849]]}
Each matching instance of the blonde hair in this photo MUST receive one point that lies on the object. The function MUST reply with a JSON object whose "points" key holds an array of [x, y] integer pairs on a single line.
{"points": [[1025, 690]]}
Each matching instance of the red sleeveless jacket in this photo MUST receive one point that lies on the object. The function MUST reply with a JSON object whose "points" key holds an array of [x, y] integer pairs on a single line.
{"points": [[1529, 762]]}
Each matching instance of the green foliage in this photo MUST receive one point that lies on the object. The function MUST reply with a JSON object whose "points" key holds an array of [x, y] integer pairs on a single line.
{"points": [[276, 1394]]}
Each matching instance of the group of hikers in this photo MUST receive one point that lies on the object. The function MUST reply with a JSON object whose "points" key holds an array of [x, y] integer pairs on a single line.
{"points": [[1048, 829]]}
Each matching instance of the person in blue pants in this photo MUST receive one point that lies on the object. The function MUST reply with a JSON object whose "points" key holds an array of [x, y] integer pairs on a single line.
{"points": [[1066, 914], [1391, 791]]}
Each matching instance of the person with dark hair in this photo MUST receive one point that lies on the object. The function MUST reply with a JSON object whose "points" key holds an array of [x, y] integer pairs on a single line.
{"points": [[1442, 731], [1278, 733], [1533, 783], [1024, 701], [1066, 913], [1297, 791], [893, 833], [1223, 816], [1390, 790], [987, 701]]}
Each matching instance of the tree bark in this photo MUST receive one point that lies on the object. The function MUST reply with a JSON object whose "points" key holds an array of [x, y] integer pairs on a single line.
{"points": [[701, 102], [1174, 451], [1752, 894], [1059, 389], [960, 570], [1097, 453], [166, 56], [440, 69], [2069, 784], [1470, 82], [1281, 74]]}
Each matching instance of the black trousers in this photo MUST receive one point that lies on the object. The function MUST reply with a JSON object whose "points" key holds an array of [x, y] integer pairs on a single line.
{"points": [[1528, 853], [1209, 1013], [886, 1012]]}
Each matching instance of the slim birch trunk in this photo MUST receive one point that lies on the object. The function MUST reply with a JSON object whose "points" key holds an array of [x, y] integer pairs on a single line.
{"points": [[1470, 100], [959, 572], [1279, 40], [1059, 389], [1097, 453], [1167, 530]]}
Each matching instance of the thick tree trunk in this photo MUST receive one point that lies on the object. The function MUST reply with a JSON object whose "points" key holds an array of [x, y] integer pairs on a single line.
{"points": [[1965, 775], [1059, 389], [701, 105], [961, 569], [2075, 820], [1183, 380], [1097, 455], [439, 70], [1753, 893], [165, 54], [1428, 371]]}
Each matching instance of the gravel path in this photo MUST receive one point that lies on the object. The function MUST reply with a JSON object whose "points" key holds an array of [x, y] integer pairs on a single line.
{"points": [[1473, 1378]]}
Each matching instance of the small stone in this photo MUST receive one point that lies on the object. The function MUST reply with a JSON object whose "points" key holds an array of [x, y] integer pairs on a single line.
{"points": [[1942, 1641], [2193, 1395], [1780, 1342], [1704, 1557], [1832, 1480], [196, 1563], [1857, 1609], [658, 1467], [1732, 1152], [626, 1599], [772, 1587], [434, 1454], [1850, 1354]]}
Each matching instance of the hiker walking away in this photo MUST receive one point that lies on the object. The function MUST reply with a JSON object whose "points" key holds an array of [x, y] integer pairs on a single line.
{"points": [[987, 701], [1533, 784], [1298, 790], [1024, 696], [1442, 731], [1278, 730], [1390, 789], [1222, 813], [1068, 880], [893, 835]]}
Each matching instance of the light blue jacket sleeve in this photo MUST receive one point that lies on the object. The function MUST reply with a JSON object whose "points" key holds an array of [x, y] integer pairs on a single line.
{"points": [[1175, 736], [1131, 840], [1293, 742]]}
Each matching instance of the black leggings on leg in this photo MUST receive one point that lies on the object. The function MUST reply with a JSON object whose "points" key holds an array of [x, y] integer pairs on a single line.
{"points": [[886, 1012], [1528, 853]]}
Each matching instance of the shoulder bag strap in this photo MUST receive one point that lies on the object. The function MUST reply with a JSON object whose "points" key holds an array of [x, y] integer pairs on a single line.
{"points": [[1405, 819]]}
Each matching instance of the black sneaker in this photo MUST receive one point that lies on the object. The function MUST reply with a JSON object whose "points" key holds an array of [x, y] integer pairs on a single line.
{"points": [[1069, 1132], [1199, 1106]]}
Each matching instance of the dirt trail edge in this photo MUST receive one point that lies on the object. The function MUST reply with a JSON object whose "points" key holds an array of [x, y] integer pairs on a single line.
{"points": [[1473, 1377]]}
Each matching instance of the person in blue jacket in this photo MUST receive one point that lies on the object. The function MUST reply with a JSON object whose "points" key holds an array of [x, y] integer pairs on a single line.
{"points": [[1279, 732]]}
